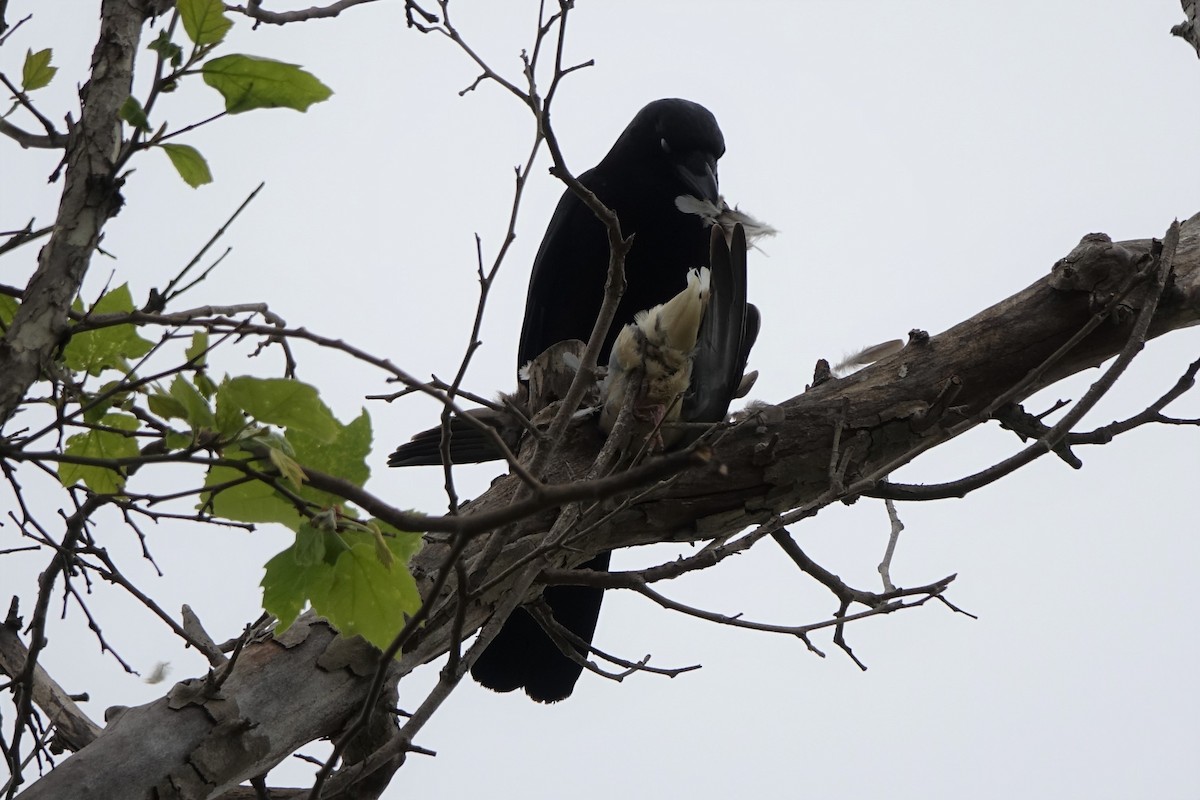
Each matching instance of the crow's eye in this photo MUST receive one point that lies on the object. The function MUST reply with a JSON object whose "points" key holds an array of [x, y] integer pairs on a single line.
{"points": [[666, 147]]}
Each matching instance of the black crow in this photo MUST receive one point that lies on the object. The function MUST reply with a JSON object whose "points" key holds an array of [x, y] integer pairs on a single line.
{"points": [[690, 353], [670, 149]]}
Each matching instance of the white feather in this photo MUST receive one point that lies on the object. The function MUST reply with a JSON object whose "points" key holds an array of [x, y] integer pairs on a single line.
{"points": [[867, 356], [720, 213]]}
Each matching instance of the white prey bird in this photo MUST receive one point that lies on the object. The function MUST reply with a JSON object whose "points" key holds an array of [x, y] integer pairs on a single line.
{"points": [[656, 348]]}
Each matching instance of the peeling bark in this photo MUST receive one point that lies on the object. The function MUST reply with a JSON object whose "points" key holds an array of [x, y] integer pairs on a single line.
{"points": [[200, 741]]}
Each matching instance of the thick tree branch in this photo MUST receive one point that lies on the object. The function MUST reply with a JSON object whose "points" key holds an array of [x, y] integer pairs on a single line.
{"points": [[91, 195], [881, 411], [26, 139]]}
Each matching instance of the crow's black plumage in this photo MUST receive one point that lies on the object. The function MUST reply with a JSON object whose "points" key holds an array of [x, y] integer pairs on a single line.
{"points": [[727, 332], [670, 149], [468, 444]]}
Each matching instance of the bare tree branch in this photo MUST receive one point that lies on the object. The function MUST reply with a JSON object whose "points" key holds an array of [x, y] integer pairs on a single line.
{"points": [[254, 10], [75, 730]]}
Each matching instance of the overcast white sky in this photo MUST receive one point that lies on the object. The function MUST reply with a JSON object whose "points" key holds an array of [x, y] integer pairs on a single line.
{"points": [[923, 160]]}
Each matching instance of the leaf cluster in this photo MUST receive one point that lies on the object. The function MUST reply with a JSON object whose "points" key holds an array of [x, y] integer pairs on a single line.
{"points": [[253, 437], [245, 83]]}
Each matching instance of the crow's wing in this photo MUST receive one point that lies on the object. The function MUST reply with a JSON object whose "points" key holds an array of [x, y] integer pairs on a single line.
{"points": [[726, 334]]}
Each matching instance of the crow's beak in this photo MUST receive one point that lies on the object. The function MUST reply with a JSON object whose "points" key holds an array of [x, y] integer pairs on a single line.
{"points": [[699, 172]]}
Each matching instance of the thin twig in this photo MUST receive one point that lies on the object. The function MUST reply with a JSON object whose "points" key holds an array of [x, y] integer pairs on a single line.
{"points": [[896, 526]]}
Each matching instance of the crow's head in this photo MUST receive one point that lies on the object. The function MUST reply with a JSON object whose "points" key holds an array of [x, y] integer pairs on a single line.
{"points": [[676, 140]]}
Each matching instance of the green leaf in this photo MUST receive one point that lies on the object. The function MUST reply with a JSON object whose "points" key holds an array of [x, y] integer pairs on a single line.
{"points": [[382, 551], [121, 396], [204, 21], [197, 351], [229, 418], [403, 544], [249, 500], [104, 348], [8, 310], [96, 409], [205, 384], [284, 402], [132, 112], [345, 456], [101, 444], [365, 597], [343, 577], [272, 439], [197, 412], [169, 51], [37, 71], [287, 584], [249, 82], [166, 406], [188, 162], [177, 441], [310, 545], [287, 467]]}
